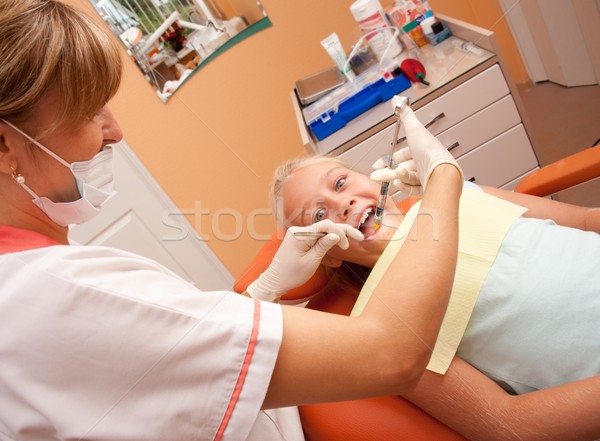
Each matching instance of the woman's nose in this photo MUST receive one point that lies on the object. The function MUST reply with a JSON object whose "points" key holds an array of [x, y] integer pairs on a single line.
{"points": [[111, 131]]}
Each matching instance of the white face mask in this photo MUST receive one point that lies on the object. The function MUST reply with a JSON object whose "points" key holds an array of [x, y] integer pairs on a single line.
{"points": [[94, 179]]}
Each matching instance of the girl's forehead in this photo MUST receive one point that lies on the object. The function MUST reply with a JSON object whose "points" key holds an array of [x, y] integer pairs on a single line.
{"points": [[303, 187]]}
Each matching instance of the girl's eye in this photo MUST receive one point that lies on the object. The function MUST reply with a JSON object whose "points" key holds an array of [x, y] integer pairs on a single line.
{"points": [[339, 183], [319, 215]]}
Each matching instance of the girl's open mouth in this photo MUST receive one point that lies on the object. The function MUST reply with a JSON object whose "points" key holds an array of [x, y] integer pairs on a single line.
{"points": [[366, 224]]}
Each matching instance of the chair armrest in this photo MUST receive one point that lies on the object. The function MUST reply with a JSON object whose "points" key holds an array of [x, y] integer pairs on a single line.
{"points": [[372, 419], [560, 175]]}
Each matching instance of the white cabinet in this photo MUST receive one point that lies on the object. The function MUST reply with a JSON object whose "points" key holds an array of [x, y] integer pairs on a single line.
{"points": [[477, 121], [470, 107], [500, 160]]}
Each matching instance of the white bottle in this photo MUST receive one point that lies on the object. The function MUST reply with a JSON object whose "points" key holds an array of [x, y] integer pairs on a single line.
{"points": [[370, 16]]}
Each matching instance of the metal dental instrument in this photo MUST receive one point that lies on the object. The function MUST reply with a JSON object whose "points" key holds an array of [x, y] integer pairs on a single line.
{"points": [[310, 234], [398, 102]]}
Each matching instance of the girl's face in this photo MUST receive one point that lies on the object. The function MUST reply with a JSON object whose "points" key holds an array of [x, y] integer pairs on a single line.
{"points": [[328, 190]]}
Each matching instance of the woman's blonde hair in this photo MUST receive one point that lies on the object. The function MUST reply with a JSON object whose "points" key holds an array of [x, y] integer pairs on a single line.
{"points": [[284, 171], [47, 45]]}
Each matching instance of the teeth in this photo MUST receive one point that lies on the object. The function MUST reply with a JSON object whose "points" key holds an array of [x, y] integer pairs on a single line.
{"points": [[365, 216]]}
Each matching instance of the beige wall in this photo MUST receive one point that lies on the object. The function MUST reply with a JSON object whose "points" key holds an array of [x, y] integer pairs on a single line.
{"points": [[215, 145], [487, 14]]}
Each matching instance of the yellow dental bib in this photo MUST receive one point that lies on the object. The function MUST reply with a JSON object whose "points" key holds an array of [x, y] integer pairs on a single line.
{"points": [[484, 220]]}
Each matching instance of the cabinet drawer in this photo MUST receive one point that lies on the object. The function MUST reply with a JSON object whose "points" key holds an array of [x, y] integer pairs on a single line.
{"points": [[481, 127], [461, 138], [458, 104], [500, 160]]}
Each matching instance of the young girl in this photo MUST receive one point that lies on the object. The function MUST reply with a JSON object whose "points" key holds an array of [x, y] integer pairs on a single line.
{"points": [[534, 323]]}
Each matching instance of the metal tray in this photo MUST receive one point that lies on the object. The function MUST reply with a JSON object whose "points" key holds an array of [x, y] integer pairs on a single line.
{"points": [[319, 84]]}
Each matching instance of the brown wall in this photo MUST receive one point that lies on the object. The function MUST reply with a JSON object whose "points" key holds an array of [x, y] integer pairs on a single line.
{"points": [[215, 144]]}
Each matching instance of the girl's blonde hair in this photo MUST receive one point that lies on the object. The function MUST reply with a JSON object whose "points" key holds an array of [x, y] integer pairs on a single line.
{"points": [[350, 275], [47, 45], [284, 171]]}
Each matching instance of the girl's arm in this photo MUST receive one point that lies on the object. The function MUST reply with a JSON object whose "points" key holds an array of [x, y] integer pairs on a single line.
{"points": [[568, 215], [327, 357], [479, 409]]}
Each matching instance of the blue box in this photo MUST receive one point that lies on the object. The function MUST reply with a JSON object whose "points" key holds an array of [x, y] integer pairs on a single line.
{"points": [[331, 121]]}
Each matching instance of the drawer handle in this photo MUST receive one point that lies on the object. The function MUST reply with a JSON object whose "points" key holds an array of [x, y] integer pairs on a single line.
{"points": [[429, 124], [452, 146], [435, 119]]}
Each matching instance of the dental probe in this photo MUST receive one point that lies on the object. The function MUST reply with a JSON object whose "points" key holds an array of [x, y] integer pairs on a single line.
{"points": [[398, 101], [310, 234]]}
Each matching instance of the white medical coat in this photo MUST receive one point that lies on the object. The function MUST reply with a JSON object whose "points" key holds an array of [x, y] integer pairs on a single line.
{"points": [[98, 343]]}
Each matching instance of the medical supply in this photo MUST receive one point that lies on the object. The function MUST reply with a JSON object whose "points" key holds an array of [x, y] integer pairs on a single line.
{"points": [[317, 85], [414, 71], [309, 234], [334, 48], [407, 14], [468, 47], [434, 30], [483, 223], [370, 16], [362, 59], [333, 111], [397, 102]]}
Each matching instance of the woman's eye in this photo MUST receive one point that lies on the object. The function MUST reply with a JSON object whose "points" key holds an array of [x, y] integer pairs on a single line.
{"points": [[94, 115], [339, 183], [319, 215]]}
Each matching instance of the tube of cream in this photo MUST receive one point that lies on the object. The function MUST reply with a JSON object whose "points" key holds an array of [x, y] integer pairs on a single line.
{"points": [[334, 48]]}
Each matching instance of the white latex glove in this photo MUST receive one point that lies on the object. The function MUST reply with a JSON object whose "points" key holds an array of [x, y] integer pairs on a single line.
{"points": [[417, 161], [298, 258], [404, 176]]}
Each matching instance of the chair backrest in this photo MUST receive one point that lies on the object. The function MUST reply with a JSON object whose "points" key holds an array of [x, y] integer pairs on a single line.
{"points": [[562, 174]]}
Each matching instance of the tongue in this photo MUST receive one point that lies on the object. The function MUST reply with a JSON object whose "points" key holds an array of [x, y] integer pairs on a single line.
{"points": [[368, 228]]}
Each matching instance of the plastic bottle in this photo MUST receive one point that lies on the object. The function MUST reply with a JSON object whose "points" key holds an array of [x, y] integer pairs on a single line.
{"points": [[468, 47], [404, 15], [434, 30], [370, 16]]}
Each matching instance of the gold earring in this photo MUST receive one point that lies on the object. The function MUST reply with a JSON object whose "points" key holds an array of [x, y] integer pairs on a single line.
{"points": [[17, 177]]}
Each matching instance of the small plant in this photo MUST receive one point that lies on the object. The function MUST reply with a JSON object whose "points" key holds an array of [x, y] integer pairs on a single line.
{"points": [[174, 36]]}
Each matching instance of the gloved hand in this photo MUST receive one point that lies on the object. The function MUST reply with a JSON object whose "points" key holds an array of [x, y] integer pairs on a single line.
{"points": [[298, 258], [417, 161], [404, 176]]}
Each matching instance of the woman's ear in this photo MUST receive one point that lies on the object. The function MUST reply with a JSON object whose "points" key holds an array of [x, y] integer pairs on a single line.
{"points": [[5, 151], [332, 262], [3, 146]]}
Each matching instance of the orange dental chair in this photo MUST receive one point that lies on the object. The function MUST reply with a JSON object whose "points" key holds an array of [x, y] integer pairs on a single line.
{"points": [[392, 417]]}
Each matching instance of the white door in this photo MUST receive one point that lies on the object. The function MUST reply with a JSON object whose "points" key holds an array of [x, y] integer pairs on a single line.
{"points": [[558, 39], [142, 219]]}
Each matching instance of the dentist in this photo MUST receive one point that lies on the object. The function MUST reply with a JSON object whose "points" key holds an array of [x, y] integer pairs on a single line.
{"points": [[98, 343]]}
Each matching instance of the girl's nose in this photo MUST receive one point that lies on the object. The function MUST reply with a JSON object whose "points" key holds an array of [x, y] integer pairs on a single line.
{"points": [[345, 206]]}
